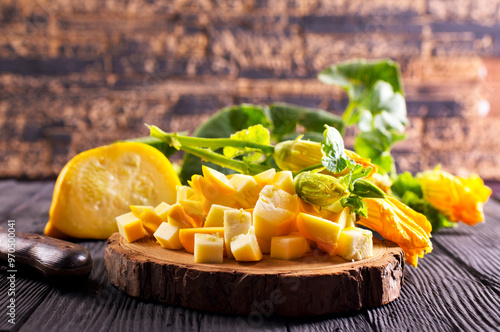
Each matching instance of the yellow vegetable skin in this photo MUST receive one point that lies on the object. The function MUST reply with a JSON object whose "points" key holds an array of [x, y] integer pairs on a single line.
{"points": [[99, 184]]}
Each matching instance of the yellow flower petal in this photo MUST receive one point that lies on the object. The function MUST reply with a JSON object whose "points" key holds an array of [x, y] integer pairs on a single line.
{"points": [[400, 224], [457, 198]]}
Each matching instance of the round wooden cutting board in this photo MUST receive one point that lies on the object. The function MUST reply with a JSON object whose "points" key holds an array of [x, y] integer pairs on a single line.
{"points": [[315, 284]]}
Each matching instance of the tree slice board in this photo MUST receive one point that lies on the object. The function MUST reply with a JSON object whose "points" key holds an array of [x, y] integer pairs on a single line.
{"points": [[315, 284]]}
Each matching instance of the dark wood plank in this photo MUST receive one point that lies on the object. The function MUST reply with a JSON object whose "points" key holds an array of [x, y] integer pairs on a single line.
{"points": [[27, 204], [476, 248], [440, 295], [14, 195]]}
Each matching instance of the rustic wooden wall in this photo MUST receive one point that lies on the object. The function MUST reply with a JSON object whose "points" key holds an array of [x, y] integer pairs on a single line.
{"points": [[78, 74]]}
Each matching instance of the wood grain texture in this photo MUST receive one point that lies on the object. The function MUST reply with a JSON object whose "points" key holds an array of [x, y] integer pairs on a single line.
{"points": [[443, 294], [316, 284]]}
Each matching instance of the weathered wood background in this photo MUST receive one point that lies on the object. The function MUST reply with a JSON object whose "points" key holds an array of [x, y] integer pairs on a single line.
{"points": [[78, 74]]}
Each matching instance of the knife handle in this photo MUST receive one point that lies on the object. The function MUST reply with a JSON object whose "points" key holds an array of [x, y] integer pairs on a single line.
{"points": [[49, 256]]}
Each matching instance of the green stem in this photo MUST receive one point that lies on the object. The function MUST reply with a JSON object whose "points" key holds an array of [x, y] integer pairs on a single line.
{"points": [[213, 143], [310, 168], [223, 161]]}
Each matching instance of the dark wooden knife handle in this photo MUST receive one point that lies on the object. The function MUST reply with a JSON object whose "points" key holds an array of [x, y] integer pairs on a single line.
{"points": [[50, 256]]}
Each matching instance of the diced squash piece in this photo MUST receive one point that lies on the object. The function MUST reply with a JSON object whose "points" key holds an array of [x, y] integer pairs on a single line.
{"points": [[265, 178], [218, 179], [308, 208], [137, 210], [355, 244], [168, 236], [208, 248], [150, 220], [247, 190], [307, 247], [245, 248], [194, 209], [288, 247], [130, 227], [342, 218], [284, 181], [162, 210], [265, 245], [210, 194], [184, 193], [186, 235], [215, 217], [275, 213], [236, 222], [324, 232], [351, 220], [177, 217]]}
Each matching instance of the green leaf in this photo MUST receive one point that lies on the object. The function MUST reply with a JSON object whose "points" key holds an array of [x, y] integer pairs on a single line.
{"points": [[334, 158], [357, 75], [376, 145], [286, 117], [255, 134], [222, 124], [356, 204], [387, 107], [405, 182], [366, 189]]}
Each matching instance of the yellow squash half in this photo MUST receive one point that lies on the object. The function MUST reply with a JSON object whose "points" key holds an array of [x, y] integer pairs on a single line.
{"points": [[99, 184]]}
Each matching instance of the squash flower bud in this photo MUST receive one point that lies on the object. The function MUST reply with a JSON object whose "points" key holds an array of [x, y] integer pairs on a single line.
{"points": [[319, 189], [297, 155]]}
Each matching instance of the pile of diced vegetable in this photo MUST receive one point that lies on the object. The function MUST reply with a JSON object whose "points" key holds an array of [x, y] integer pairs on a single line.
{"points": [[243, 217]]}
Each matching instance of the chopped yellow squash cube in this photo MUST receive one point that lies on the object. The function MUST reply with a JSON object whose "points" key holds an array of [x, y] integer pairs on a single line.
{"points": [[210, 194], [194, 209], [342, 218], [355, 244], [219, 180], [130, 227], [208, 248], [177, 217], [265, 178], [265, 245], [168, 236], [162, 210], [322, 231], [275, 213], [288, 247], [150, 220], [236, 222], [284, 181], [184, 192], [215, 217], [186, 235], [245, 247], [247, 190], [137, 210]]}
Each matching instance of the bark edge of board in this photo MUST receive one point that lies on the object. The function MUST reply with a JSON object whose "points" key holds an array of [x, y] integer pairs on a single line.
{"points": [[303, 289]]}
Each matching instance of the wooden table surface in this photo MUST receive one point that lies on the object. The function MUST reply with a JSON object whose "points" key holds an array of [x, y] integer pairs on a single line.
{"points": [[455, 288]]}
